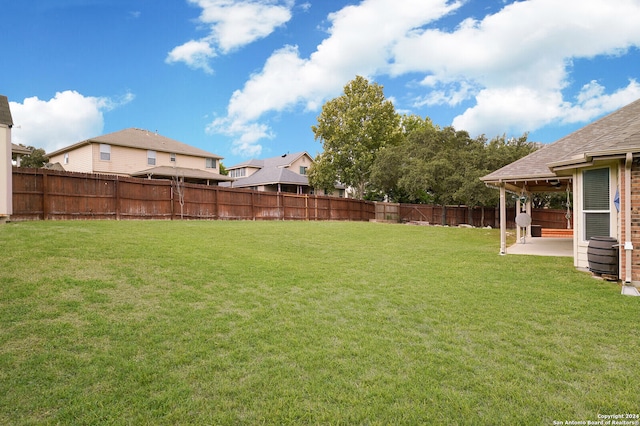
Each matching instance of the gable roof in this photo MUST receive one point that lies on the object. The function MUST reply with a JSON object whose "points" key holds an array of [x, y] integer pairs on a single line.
{"points": [[612, 135], [280, 161], [271, 176], [19, 149], [272, 171], [142, 139], [5, 112]]}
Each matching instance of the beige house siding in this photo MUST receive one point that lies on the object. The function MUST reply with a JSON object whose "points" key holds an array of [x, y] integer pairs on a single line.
{"points": [[303, 161], [80, 160], [125, 160], [249, 171]]}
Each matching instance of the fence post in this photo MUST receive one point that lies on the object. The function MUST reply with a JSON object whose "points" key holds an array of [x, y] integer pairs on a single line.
{"points": [[216, 211], [253, 206], [117, 194], [45, 197], [171, 200]]}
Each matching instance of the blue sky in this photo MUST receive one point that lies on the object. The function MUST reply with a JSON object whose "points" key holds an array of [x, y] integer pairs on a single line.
{"points": [[247, 78]]}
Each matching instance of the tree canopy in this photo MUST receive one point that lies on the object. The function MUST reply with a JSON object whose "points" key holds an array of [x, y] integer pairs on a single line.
{"points": [[37, 158], [352, 129], [380, 155], [444, 166]]}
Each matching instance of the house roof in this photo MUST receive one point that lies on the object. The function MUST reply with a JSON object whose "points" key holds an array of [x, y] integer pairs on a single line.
{"points": [[611, 136], [272, 171], [270, 176], [142, 139], [168, 171], [280, 161], [5, 112], [19, 149]]}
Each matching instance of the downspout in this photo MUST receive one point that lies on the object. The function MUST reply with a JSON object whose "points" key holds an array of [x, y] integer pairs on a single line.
{"points": [[628, 244], [503, 219]]}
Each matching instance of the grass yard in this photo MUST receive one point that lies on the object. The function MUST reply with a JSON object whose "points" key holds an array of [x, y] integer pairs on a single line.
{"points": [[214, 322]]}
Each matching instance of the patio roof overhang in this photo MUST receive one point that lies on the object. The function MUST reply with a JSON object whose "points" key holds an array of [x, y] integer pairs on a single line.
{"points": [[553, 183]]}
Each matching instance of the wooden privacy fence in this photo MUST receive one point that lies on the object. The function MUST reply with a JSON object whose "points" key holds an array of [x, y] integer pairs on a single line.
{"points": [[40, 194], [477, 216]]}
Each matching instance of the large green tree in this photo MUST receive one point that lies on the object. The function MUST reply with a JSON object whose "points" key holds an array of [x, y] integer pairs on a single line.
{"points": [[37, 158], [352, 129], [443, 166]]}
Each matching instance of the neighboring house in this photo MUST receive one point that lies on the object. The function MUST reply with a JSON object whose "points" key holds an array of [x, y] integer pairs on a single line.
{"points": [[286, 173], [140, 153], [18, 151], [600, 163]]}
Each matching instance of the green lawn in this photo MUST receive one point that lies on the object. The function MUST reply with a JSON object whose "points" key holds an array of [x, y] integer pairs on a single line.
{"points": [[215, 322]]}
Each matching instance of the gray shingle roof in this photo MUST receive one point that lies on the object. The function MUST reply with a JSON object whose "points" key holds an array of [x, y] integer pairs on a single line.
{"points": [[5, 112], [269, 176], [22, 150], [616, 133], [142, 139], [167, 171], [272, 171], [280, 161]]}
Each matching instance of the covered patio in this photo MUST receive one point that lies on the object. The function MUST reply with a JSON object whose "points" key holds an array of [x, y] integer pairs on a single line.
{"points": [[547, 246], [599, 166]]}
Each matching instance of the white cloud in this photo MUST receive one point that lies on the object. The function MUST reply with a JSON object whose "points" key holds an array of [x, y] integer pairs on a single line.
{"points": [[515, 64], [592, 101], [247, 135], [361, 41], [232, 24], [520, 59], [67, 118], [195, 54]]}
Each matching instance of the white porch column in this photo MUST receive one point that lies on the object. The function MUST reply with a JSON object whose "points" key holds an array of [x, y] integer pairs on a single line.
{"points": [[503, 219]]}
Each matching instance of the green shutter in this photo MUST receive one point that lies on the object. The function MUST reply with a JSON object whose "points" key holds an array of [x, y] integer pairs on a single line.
{"points": [[596, 189]]}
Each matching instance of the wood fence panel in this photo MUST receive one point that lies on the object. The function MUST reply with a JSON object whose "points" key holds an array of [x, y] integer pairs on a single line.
{"points": [[321, 208], [80, 196], [295, 207], [265, 206], [199, 201], [27, 195], [234, 204], [144, 198]]}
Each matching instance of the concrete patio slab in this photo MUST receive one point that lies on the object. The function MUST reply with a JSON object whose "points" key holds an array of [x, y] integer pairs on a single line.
{"points": [[536, 246]]}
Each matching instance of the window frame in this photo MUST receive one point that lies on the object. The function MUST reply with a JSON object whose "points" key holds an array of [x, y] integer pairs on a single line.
{"points": [[105, 152], [595, 205], [210, 161], [151, 157]]}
